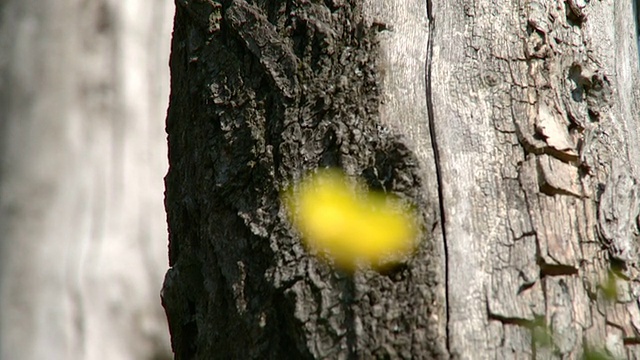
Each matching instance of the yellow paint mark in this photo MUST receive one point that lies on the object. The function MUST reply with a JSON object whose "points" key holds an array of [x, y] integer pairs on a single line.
{"points": [[341, 220]]}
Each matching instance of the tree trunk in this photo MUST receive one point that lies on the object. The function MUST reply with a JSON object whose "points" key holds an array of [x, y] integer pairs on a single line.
{"points": [[83, 91], [512, 126]]}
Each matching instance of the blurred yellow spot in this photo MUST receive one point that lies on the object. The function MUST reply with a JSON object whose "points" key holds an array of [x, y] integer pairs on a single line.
{"points": [[339, 219]]}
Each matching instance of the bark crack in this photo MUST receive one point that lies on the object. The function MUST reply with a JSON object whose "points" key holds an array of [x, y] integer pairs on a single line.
{"points": [[436, 155], [350, 319]]}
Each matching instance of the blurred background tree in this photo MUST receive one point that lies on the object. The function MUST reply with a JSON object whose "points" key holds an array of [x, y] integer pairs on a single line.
{"points": [[83, 97]]}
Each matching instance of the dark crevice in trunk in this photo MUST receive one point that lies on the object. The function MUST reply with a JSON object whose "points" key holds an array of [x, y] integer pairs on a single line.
{"points": [[350, 318], [556, 270], [287, 332], [436, 154]]}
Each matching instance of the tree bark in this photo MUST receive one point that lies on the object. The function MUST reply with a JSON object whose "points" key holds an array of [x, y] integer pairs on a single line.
{"points": [[511, 125], [83, 91]]}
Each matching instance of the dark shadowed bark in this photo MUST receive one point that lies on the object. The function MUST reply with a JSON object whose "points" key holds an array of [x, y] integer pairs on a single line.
{"points": [[512, 126]]}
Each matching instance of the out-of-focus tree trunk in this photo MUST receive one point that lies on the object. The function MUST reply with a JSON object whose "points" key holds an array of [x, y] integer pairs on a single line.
{"points": [[512, 125], [83, 93]]}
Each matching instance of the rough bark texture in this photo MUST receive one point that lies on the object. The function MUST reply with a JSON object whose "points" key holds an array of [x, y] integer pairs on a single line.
{"points": [[535, 121], [512, 125], [83, 93], [261, 94]]}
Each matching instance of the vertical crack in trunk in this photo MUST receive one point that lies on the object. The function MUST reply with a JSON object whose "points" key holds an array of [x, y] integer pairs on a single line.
{"points": [[436, 155], [349, 292]]}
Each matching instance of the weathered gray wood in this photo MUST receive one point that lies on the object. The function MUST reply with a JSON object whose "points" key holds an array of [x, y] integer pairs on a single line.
{"points": [[83, 93], [402, 66], [533, 101]]}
